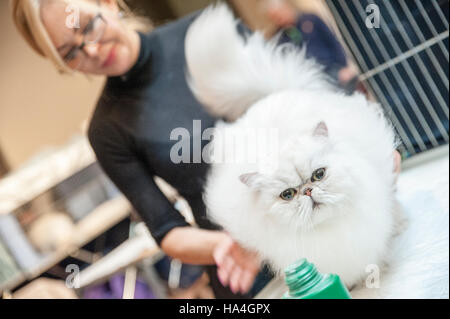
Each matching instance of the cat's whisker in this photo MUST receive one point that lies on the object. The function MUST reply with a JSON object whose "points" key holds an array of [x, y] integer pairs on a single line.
{"points": [[304, 214], [328, 198], [313, 235], [296, 229]]}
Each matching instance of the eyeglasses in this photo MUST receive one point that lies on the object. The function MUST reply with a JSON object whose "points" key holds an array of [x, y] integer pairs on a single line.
{"points": [[92, 33]]}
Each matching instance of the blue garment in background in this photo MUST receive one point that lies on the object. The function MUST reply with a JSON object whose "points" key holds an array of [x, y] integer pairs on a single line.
{"points": [[321, 43]]}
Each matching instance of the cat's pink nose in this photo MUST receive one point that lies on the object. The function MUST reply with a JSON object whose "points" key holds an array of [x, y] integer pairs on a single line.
{"points": [[308, 192]]}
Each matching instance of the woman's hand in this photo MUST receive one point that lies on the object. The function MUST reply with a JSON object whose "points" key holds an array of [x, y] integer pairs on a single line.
{"points": [[346, 74], [237, 267]]}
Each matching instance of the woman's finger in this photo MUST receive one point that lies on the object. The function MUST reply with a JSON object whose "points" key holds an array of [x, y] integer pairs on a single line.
{"points": [[235, 278], [222, 274], [246, 282], [226, 269], [228, 264]]}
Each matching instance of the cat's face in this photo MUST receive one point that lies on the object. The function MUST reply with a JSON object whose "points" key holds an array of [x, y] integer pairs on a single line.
{"points": [[311, 180]]}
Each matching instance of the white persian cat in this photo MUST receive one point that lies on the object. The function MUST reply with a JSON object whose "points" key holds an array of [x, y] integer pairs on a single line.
{"points": [[330, 197]]}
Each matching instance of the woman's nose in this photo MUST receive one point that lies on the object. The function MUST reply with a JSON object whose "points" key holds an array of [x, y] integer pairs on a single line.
{"points": [[91, 50]]}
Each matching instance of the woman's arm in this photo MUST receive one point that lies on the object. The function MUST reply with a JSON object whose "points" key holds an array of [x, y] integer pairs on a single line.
{"points": [[192, 245], [115, 153]]}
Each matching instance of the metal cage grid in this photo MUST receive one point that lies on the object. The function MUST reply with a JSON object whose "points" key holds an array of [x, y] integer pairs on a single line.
{"points": [[404, 60]]}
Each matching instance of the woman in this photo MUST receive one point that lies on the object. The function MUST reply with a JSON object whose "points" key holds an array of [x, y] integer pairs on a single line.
{"points": [[145, 99]]}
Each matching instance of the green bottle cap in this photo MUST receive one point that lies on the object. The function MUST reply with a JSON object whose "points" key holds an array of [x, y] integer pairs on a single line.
{"points": [[301, 276], [306, 282]]}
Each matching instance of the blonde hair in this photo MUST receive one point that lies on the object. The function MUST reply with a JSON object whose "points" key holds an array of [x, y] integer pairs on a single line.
{"points": [[27, 18]]}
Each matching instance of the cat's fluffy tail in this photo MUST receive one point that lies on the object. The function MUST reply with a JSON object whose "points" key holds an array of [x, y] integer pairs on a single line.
{"points": [[229, 72]]}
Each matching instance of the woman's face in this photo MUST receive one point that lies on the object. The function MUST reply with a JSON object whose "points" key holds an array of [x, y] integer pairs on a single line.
{"points": [[110, 48], [281, 12]]}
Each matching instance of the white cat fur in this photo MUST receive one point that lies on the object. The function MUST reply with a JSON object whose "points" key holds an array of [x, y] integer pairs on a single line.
{"points": [[282, 90]]}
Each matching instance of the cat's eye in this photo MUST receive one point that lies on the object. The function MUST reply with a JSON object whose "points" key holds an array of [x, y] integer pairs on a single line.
{"points": [[318, 175], [288, 194]]}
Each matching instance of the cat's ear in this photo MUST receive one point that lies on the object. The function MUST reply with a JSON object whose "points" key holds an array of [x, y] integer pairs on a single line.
{"points": [[252, 180], [321, 130]]}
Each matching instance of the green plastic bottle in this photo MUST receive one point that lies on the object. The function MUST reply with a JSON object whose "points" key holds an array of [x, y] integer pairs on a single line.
{"points": [[305, 282]]}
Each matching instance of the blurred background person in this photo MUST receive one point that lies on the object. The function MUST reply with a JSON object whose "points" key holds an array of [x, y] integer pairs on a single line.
{"points": [[310, 31], [285, 19]]}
